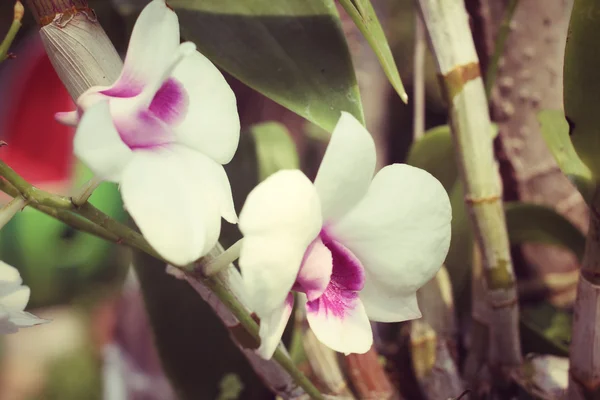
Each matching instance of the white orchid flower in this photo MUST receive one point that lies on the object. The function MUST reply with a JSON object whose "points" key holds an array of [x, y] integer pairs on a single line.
{"points": [[357, 246], [13, 300], [163, 131]]}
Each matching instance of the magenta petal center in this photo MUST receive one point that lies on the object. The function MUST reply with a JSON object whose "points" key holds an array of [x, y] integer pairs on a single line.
{"points": [[151, 127], [344, 278]]}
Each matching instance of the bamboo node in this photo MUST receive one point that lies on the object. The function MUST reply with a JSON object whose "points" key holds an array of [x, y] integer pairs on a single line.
{"points": [[481, 200], [455, 80], [497, 305]]}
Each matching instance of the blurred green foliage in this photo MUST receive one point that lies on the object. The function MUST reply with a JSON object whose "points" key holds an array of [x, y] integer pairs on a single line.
{"points": [[57, 261]]}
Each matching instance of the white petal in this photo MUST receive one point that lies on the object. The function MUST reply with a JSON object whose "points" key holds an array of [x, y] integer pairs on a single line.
{"points": [[212, 126], [7, 327], [24, 319], [16, 300], [9, 274], [213, 176], [400, 231], [279, 220], [69, 118], [272, 327], [154, 41], [386, 306], [170, 205], [347, 168], [315, 272], [347, 333], [98, 144]]}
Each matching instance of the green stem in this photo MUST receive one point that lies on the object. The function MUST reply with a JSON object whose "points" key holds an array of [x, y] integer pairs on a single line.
{"points": [[12, 31], [96, 222], [30, 192], [11, 209], [222, 261], [237, 308], [68, 217], [501, 37], [83, 193]]}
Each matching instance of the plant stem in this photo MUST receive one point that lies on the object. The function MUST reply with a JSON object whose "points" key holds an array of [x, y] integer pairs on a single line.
{"points": [[83, 193], [96, 222], [419, 79], [12, 31], [457, 64], [11, 209], [584, 355], [432, 339], [68, 217], [83, 56], [324, 362], [44, 11], [215, 284], [31, 193], [503, 31], [219, 263]]}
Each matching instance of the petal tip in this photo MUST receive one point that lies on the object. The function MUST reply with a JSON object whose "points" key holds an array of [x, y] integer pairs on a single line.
{"points": [[69, 118]]}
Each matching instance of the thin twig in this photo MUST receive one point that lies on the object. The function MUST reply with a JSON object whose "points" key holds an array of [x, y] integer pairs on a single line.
{"points": [[85, 192], [419, 79], [19, 11], [323, 361], [11, 209], [223, 260], [433, 340], [64, 208], [281, 382], [68, 217]]}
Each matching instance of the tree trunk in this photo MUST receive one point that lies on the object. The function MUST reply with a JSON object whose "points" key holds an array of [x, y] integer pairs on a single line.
{"points": [[529, 80]]}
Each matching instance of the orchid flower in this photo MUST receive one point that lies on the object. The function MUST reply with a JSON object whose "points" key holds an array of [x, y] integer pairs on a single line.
{"points": [[13, 299], [357, 246], [163, 131]]}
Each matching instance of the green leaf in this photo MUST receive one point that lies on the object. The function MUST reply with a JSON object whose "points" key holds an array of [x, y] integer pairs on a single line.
{"points": [[527, 222], [434, 153], [545, 329], [459, 258], [292, 51], [581, 83], [275, 149], [555, 131], [363, 15]]}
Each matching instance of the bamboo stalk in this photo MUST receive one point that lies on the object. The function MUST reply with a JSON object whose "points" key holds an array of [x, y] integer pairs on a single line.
{"points": [[584, 356], [452, 44], [433, 340]]}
